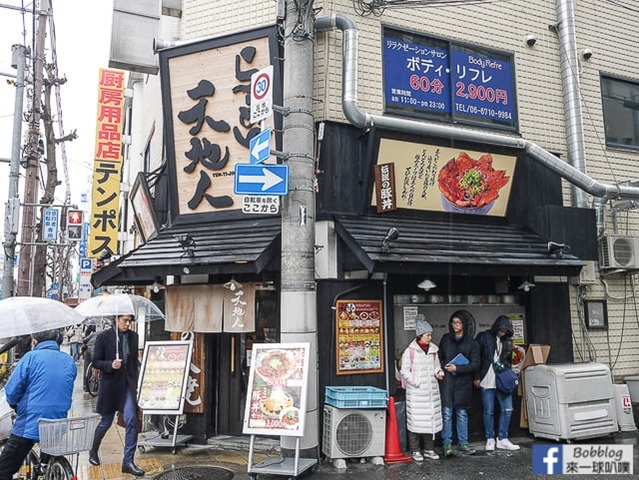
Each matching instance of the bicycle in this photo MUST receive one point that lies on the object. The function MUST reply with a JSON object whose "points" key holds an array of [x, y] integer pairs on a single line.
{"points": [[59, 439], [92, 376]]}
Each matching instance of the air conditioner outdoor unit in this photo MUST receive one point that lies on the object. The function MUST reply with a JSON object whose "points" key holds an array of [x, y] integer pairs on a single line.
{"points": [[619, 251], [350, 433]]}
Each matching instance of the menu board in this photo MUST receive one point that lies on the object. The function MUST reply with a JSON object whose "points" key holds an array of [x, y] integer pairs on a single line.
{"points": [[359, 339], [164, 376], [276, 398]]}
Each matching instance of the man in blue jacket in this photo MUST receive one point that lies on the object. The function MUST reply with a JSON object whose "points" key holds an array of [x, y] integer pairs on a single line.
{"points": [[41, 386]]}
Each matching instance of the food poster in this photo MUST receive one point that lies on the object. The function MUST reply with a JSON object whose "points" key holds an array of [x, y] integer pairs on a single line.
{"points": [[359, 340], [276, 399], [164, 376], [430, 177]]}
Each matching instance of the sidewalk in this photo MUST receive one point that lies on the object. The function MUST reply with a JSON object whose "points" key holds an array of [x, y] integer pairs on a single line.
{"points": [[227, 457]]}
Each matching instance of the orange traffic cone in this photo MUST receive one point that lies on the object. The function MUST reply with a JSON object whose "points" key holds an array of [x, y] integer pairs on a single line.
{"points": [[393, 452]]}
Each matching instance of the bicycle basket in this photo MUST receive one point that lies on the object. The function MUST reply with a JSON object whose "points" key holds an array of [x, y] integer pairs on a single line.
{"points": [[65, 436]]}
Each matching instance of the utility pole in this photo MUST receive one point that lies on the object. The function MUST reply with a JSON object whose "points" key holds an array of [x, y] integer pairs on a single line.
{"points": [[298, 301], [13, 202], [32, 173]]}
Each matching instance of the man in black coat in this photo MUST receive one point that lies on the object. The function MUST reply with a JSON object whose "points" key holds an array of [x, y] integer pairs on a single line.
{"points": [[116, 355], [457, 385]]}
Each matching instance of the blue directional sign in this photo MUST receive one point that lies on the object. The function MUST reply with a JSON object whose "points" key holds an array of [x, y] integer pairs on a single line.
{"points": [[261, 179], [51, 220], [260, 147]]}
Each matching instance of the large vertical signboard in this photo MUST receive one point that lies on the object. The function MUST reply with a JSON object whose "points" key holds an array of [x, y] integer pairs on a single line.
{"points": [[360, 337], [278, 382], [436, 78], [107, 166], [207, 95]]}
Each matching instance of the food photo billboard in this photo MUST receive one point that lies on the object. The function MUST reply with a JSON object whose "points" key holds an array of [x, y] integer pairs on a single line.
{"points": [[276, 397], [444, 179]]}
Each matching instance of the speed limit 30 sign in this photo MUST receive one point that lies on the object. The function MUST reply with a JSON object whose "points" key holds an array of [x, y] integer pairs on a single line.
{"points": [[262, 94]]}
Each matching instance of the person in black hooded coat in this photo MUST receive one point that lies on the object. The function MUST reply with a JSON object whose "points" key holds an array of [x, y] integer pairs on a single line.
{"points": [[496, 350], [457, 385]]}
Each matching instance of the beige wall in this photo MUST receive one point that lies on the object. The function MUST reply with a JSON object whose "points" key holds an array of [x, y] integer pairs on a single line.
{"points": [[609, 31]]}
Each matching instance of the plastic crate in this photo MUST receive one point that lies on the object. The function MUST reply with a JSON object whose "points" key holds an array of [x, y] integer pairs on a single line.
{"points": [[65, 436], [356, 397]]}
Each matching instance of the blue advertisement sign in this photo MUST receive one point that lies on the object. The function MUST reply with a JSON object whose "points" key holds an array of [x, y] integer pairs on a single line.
{"points": [[433, 77], [483, 86], [416, 76]]}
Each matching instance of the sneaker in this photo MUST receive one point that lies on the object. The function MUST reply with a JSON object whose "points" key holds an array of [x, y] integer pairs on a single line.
{"points": [[418, 457], [467, 449], [506, 444], [448, 451], [430, 454], [490, 444]]}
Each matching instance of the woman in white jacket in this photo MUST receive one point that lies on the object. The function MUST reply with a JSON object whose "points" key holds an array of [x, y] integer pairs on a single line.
{"points": [[420, 373]]}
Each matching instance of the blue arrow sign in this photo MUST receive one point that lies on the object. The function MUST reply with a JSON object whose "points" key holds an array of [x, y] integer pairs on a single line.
{"points": [[261, 179], [260, 147]]}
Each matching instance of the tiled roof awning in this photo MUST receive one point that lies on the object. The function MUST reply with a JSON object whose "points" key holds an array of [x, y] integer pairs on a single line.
{"points": [[239, 246], [456, 246]]}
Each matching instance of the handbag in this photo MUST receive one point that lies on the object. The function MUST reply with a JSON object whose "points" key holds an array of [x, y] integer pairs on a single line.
{"points": [[120, 419], [507, 381]]}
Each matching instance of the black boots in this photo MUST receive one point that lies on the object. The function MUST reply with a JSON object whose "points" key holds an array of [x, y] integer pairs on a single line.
{"points": [[132, 469], [93, 457]]}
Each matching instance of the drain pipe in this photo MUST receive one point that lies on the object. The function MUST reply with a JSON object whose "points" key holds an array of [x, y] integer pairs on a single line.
{"points": [[367, 121], [575, 144]]}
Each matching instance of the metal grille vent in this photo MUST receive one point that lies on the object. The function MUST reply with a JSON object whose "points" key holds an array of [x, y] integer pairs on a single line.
{"points": [[353, 434], [622, 250]]}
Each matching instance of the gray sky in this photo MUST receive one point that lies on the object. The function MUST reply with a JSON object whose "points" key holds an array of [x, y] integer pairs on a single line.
{"points": [[83, 30]]}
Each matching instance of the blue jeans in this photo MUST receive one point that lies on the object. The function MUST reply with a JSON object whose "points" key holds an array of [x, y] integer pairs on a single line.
{"points": [[131, 422], [462, 425], [505, 412]]}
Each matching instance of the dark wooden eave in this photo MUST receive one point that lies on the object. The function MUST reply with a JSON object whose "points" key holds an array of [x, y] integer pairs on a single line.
{"points": [[451, 247], [233, 247]]}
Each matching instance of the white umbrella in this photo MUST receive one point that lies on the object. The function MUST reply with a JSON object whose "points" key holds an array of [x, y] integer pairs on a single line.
{"points": [[120, 304], [27, 315]]}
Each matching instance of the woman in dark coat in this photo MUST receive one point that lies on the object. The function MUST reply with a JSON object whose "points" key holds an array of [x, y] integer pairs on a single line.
{"points": [[116, 355], [457, 385]]}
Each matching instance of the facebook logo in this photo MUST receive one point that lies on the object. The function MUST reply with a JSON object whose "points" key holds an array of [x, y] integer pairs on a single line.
{"points": [[547, 459]]}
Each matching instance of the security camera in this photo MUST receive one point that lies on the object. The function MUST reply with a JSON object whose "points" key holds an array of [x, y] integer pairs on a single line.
{"points": [[530, 40], [586, 53], [558, 250]]}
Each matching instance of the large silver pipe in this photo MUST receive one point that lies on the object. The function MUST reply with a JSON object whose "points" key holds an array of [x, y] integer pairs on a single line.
{"points": [[366, 121], [575, 143]]}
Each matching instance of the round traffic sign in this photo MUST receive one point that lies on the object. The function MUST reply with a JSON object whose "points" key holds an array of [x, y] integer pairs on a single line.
{"points": [[261, 86]]}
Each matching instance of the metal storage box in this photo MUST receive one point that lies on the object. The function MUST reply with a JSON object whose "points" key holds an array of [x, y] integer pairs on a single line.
{"points": [[570, 401]]}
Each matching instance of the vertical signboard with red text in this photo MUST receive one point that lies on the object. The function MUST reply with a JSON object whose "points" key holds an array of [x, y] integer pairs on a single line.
{"points": [[107, 166]]}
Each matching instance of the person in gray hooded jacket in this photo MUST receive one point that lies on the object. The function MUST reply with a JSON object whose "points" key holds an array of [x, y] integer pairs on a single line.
{"points": [[496, 353]]}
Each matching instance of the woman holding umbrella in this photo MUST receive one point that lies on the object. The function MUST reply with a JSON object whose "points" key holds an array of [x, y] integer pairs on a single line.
{"points": [[116, 354]]}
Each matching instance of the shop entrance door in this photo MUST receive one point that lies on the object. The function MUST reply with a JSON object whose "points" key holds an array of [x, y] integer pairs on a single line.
{"points": [[234, 353]]}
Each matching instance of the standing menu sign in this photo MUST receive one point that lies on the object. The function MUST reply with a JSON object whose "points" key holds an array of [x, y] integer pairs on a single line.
{"points": [[276, 398], [164, 376], [359, 339]]}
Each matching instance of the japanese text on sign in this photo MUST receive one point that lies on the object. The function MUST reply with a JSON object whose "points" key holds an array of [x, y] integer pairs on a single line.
{"points": [[449, 81], [108, 164], [211, 125]]}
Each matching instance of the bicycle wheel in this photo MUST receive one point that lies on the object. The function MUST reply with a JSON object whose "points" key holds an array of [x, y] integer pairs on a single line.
{"points": [[93, 380], [59, 469], [31, 466]]}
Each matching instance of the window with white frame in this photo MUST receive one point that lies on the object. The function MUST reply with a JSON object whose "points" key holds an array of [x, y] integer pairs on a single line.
{"points": [[620, 100]]}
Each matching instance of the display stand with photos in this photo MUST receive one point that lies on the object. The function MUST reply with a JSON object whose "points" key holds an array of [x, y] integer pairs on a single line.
{"points": [[164, 378], [276, 403]]}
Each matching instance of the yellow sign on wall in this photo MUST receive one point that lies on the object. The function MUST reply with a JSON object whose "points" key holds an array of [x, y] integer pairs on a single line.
{"points": [[431, 177], [107, 166]]}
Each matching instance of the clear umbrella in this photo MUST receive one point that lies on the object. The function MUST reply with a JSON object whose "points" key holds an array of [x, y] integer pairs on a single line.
{"points": [[120, 304], [27, 315]]}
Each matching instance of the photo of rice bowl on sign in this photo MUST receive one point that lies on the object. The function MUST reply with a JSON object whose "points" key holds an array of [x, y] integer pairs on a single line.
{"points": [[470, 186]]}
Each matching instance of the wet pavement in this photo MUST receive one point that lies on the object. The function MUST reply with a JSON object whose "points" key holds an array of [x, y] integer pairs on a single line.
{"points": [[231, 454]]}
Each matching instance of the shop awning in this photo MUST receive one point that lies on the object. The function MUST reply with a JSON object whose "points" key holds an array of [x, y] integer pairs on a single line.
{"points": [[451, 246], [235, 247]]}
